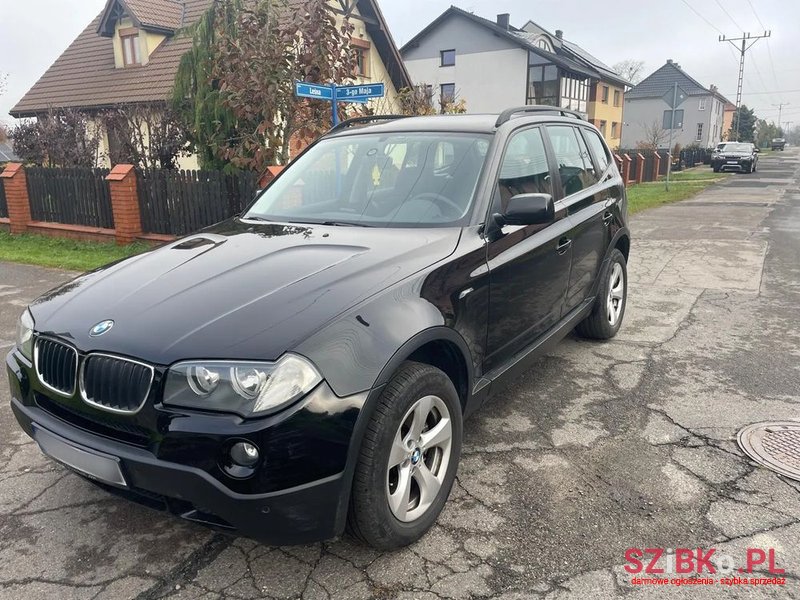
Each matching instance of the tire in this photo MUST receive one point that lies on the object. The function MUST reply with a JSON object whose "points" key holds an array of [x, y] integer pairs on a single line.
{"points": [[716, 169], [599, 325], [376, 483]]}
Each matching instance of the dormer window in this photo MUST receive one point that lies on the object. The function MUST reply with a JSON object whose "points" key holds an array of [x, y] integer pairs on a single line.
{"points": [[131, 53]]}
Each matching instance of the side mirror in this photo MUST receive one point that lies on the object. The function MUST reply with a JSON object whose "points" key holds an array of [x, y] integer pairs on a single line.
{"points": [[528, 209], [757, 149]]}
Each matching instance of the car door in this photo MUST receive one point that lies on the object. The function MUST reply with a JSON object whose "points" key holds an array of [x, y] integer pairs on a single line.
{"points": [[585, 192], [528, 265]]}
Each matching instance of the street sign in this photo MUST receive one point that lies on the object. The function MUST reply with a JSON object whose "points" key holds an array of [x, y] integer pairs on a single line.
{"points": [[675, 97], [334, 94], [312, 90], [352, 93]]}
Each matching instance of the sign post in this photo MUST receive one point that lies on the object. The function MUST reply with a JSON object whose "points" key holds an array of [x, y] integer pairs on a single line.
{"points": [[359, 94]]}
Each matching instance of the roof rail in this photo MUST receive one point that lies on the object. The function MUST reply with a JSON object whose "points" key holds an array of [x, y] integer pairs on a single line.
{"points": [[506, 115], [369, 119]]}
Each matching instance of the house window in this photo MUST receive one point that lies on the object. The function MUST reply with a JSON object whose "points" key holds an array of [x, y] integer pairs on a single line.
{"points": [[617, 96], [360, 57], [702, 104], [543, 85], [448, 58], [131, 55], [667, 122], [614, 125], [448, 92], [699, 132], [602, 127], [605, 94], [542, 44]]}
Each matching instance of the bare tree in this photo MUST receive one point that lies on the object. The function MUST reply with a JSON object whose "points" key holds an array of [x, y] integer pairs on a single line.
{"points": [[654, 136], [630, 69], [3, 83]]}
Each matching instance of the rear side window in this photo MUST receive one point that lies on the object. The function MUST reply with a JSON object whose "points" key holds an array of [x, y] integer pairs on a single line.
{"points": [[575, 166], [524, 169], [599, 149]]}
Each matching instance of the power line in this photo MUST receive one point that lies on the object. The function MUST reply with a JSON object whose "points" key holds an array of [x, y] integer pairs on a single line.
{"points": [[769, 47], [710, 24], [780, 106], [725, 10]]}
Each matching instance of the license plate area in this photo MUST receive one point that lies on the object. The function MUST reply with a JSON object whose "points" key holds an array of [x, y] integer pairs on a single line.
{"points": [[733, 162], [92, 464]]}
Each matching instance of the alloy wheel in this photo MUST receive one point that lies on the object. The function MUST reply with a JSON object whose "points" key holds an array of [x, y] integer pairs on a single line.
{"points": [[418, 459], [616, 294]]}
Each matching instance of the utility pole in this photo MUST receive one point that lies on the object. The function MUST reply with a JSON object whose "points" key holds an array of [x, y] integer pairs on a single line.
{"points": [[780, 109], [786, 131], [671, 129], [745, 46]]}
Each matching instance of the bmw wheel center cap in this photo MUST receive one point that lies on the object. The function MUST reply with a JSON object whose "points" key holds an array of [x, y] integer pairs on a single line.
{"points": [[101, 328]]}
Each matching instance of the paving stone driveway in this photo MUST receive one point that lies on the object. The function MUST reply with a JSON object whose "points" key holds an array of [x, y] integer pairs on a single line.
{"points": [[601, 447]]}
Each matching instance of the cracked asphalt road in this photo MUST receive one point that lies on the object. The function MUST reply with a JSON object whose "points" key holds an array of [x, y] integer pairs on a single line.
{"points": [[600, 447]]}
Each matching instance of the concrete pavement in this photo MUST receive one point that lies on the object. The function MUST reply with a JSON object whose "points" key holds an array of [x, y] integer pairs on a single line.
{"points": [[600, 448]]}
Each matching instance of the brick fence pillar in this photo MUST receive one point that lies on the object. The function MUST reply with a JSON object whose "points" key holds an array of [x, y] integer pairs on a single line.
{"points": [[19, 207], [656, 165], [125, 203], [626, 168], [640, 168]]}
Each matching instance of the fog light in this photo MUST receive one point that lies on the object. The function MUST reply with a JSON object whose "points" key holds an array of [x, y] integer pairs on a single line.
{"points": [[244, 454]]}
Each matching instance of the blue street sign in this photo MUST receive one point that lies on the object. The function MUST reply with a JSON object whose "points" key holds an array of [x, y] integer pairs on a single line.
{"points": [[312, 90], [334, 94], [361, 92]]}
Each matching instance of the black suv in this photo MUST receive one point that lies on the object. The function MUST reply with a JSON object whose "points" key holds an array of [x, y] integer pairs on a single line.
{"points": [[778, 143], [735, 156], [307, 365]]}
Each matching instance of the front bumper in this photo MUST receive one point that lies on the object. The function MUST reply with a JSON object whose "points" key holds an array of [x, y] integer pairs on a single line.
{"points": [[742, 165], [156, 476]]}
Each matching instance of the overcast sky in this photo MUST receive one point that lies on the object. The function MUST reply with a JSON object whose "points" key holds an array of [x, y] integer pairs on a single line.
{"points": [[652, 31]]}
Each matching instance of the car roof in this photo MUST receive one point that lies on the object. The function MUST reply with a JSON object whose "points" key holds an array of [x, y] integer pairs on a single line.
{"points": [[462, 123]]}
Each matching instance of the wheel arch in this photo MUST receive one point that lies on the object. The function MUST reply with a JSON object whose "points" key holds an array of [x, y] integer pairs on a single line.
{"points": [[440, 347]]}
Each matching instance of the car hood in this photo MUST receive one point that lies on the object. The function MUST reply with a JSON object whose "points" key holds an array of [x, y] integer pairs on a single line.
{"points": [[236, 290], [736, 154]]}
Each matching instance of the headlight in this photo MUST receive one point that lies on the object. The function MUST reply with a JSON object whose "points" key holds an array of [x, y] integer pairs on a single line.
{"points": [[25, 334], [248, 389]]}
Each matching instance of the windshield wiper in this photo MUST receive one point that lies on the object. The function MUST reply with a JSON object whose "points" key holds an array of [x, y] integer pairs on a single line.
{"points": [[256, 218], [344, 224]]}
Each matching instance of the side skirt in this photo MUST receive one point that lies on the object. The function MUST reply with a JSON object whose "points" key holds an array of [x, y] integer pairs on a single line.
{"points": [[500, 376]]}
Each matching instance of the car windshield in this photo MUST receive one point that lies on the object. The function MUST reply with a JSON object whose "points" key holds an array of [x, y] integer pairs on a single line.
{"points": [[738, 148], [373, 180]]}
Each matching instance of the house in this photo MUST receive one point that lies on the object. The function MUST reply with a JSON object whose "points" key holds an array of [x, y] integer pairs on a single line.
{"points": [[727, 119], [699, 116], [493, 65], [129, 54]]}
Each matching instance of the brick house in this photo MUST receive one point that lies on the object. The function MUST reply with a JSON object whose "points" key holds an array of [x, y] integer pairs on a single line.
{"points": [[131, 51]]}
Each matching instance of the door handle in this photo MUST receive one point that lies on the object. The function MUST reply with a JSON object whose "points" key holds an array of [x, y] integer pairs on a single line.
{"points": [[563, 245], [608, 217]]}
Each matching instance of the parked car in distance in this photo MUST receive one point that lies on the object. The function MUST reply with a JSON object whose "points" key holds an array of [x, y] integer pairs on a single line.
{"points": [[778, 143], [741, 157], [306, 366]]}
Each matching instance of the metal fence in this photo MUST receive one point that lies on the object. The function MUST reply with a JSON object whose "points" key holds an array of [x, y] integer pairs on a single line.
{"points": [[3, 203], [180, 202], [71, 196]]}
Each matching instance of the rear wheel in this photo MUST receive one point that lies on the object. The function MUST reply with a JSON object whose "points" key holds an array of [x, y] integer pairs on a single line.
{"points": [[716, 169], [408, 458], [609, 307]]}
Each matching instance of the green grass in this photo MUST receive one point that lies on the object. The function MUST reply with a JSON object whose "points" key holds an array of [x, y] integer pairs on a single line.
{"points": [[63, 253], [683, 185]]}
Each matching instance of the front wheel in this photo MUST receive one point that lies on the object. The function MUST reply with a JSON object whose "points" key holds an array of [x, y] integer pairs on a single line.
{"points": [[609, 307], [408, 458]]}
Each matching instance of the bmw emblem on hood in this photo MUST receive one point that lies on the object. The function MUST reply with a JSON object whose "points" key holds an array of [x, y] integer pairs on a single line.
{"points": [[101, 328]]}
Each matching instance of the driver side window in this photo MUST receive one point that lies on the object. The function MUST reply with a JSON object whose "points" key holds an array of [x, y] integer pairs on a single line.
{"points": [[524, 169]]}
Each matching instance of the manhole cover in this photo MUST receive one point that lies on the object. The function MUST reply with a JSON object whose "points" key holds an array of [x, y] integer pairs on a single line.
{"points": [[773, 445]]}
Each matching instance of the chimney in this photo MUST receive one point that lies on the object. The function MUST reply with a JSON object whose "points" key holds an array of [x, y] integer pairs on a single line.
{"points": [[669, 61], [559, 34], [504, 21]]}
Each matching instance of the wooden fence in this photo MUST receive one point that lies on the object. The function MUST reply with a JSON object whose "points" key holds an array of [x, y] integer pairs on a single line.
{"points": [[70, 196], [180, 202]]}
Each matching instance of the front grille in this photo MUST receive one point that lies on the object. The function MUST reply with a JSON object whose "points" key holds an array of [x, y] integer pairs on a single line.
{"points": [[56, 365], [107, 426], [115, 384]]}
